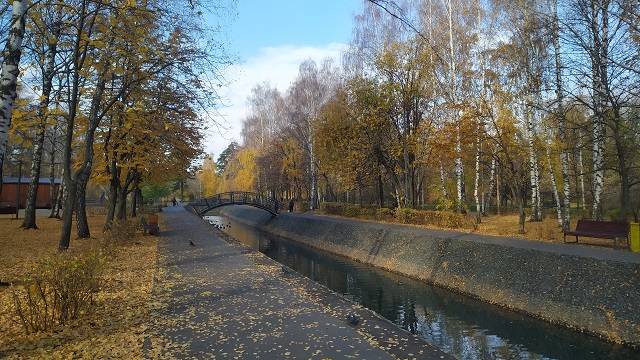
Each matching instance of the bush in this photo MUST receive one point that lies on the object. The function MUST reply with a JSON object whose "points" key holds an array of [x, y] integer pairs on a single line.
{"points": [[121, 232], [614, 215], [384, 214], [351, 211], [58, 291], [584, 214], [404, 215], [369, 211], [303, 206], [332, 208]]}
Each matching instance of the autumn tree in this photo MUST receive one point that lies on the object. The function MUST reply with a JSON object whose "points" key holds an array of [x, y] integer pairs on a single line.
{"points": [[42, 44], [100, 36]]}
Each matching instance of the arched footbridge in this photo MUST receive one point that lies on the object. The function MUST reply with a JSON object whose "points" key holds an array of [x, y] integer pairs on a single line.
{"points": [[201, 206]]}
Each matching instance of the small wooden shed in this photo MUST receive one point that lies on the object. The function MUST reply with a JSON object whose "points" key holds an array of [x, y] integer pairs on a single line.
{"points": [[9, 194]]}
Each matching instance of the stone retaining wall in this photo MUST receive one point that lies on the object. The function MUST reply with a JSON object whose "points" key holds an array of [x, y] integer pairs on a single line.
{"points": [[591, 290]]}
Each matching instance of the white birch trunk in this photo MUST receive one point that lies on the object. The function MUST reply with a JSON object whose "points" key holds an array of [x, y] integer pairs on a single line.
{"points": [[9, 74], [475, 185], [498, 193], [582, 187], [452, 79], [492, 185], [598, 167], [460, 177], [556, 195], [445, 193], [599, 33], [536, 214], [564, 154]]}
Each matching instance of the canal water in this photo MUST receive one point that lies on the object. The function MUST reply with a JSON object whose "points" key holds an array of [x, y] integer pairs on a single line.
{"points": [[464, 327]]}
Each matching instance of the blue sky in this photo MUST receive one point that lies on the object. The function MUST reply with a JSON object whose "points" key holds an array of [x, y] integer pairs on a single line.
{"points": [[272, 38], [276, 23]]}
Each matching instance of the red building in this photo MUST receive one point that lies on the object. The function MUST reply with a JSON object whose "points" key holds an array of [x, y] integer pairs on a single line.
{"points": [[12, 186]]}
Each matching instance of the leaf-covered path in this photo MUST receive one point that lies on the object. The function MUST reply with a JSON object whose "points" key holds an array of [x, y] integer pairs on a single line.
{"points": [[219, 299]]}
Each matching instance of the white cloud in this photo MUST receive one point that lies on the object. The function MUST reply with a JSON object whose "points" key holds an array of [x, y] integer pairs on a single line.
{"points": [[276, 65]]}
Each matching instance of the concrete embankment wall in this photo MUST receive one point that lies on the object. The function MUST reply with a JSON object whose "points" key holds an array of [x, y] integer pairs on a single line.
{"points": [[592, 290]]}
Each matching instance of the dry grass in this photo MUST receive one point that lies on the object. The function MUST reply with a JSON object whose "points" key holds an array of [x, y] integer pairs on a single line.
{"points": [[548, 230], [507, 225], [115, 325]]}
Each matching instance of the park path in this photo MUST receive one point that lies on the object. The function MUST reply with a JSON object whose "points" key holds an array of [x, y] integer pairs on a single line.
{"points": [[220, 299]]}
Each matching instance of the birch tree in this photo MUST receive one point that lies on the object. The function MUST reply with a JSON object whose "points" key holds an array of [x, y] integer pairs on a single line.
{"points": [[9, 72]]}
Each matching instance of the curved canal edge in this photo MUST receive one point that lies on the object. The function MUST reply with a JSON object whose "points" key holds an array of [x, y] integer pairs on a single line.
{"points": [[591, 290], [380, 332]]}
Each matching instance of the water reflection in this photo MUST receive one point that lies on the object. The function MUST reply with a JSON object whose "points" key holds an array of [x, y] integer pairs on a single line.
{"points": [[467, 328]]}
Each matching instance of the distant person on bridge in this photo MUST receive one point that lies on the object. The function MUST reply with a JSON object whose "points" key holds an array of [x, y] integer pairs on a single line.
{"points": [[291, 205]]}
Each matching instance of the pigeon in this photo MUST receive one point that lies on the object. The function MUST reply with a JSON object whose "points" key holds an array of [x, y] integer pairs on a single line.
{"points": [[353, 319], [285, 269], [191, 243]]}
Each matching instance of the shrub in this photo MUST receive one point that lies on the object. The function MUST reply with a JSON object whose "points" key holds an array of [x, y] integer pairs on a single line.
{"points": [[302, 206], [121, 232], [584, 214], [332, 208], [384, 214], [614, 215], [369, 211], [58, 290], [351, 211], [404, 215]]}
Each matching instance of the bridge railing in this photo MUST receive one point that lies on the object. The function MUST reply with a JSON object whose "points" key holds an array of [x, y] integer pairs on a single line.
{"points": [[269, 204]]}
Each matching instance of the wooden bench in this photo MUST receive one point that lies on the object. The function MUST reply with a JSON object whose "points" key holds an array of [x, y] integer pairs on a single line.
{"points": [[600, 229], [151, 226]]}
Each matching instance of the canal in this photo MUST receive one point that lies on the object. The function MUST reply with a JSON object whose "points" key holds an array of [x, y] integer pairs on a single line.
{"points": [[464, 327]]}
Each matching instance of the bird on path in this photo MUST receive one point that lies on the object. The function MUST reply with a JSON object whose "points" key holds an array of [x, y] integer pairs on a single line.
{"points": [[353, 319], [191, 243]]}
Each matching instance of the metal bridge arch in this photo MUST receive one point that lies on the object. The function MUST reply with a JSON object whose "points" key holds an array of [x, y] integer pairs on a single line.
{"points": [[201, 206]]}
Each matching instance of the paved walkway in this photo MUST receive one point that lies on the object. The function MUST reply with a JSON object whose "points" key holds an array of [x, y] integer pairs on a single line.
{"points": [[220, 299]]}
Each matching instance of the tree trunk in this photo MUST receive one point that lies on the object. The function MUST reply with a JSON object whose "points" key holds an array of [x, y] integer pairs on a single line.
{"points": [[114, 185], [583, 191], [29, 221], [124, 191], [61, 198], [536, 213], [380, 190], [460, 186], [82, 225], [562, 131], [599, 58], [498, 194], [556, 195], [523, 217], [38, 148], [9, 74], [136, 194], [53, 194], [445, 193], [625, 202], [122, 204], [476, 184], [492, 186]]}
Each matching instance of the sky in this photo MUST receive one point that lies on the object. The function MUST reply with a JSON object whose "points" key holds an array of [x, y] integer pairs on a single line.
{"points": [[272, 38]]}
